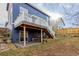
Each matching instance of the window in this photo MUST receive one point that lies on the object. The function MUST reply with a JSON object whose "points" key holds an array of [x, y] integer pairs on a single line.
{"points": [[23, 10]]}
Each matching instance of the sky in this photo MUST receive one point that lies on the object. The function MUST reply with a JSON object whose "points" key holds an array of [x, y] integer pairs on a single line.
{"points": [[67, 11], [3, 14]]}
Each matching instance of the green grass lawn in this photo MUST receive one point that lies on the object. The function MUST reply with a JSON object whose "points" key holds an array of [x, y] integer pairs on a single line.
{"points": [[61, 46]]}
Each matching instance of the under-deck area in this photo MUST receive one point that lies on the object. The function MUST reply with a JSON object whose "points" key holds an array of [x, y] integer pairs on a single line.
{"points": [[29, 34]]}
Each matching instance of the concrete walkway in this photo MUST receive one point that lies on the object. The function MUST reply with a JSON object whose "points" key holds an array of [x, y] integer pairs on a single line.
{"points": [[27, 45]]}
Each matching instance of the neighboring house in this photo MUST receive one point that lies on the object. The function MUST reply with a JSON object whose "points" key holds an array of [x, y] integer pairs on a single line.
{"points": [[4, 29], [28, 23], [3, 32]]}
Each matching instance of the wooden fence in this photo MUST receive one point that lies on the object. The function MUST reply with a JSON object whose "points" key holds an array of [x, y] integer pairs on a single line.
{"points": [[68, 31]]}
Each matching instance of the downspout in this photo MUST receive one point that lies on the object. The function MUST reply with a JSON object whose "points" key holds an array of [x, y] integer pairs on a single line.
{"points": [[10, 19]]}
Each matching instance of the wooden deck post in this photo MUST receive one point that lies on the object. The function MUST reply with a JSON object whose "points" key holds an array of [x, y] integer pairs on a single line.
{"points": [[27, 36], [41, 35], [24, 36], [19, 36]]}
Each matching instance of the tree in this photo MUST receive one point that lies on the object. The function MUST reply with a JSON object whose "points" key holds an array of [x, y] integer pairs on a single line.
{"points": [[73, 15], [56, 24]]}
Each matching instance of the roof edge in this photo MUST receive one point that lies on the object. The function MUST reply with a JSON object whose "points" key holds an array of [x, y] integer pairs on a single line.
{"points": [[44, 12]]}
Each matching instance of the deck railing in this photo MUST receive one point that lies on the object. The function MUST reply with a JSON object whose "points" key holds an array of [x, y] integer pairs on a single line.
{"points": [[32, 19]]}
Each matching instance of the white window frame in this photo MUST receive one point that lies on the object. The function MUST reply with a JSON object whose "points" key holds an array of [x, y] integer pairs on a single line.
{"points": [[23, 10]]}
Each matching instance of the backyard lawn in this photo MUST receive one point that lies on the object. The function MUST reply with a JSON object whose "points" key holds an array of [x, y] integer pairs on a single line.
{"points": [[54, 47]]}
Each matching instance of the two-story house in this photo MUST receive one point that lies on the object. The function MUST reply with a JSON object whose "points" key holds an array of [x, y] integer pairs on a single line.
{"points": [[28, 23]]}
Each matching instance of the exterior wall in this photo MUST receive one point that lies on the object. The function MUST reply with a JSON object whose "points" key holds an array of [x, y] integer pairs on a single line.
{"points": [[31, 10], [15, 35], [16, 11]]}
